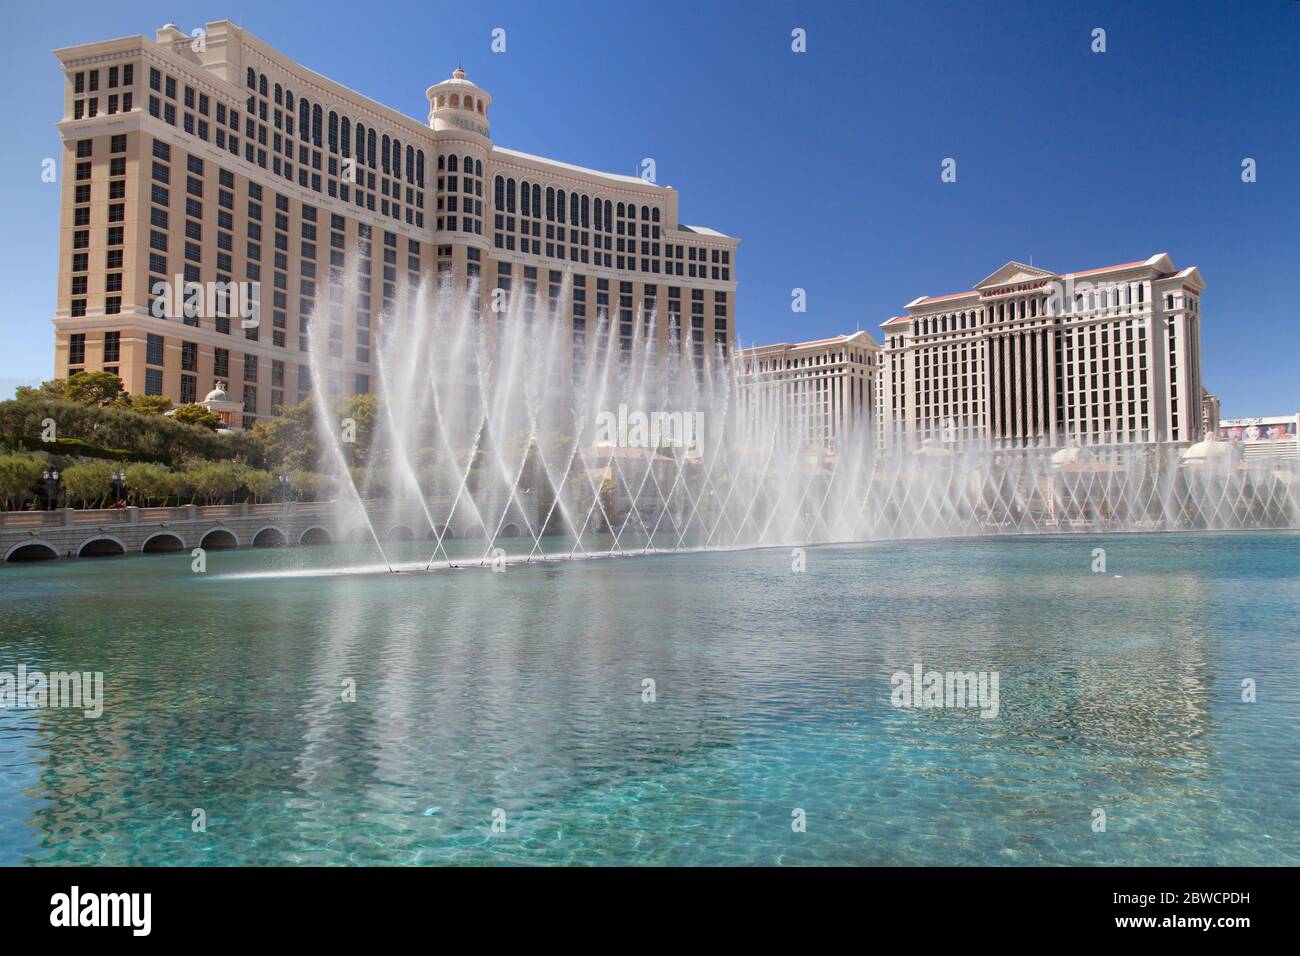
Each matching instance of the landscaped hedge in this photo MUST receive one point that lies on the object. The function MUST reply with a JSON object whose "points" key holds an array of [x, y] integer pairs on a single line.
{"points": [[76, 448], [118, 434]]}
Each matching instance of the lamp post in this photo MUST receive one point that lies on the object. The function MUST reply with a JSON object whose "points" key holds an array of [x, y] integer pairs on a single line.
{"points": [[284, 491], [119, 484], [51, 488]]}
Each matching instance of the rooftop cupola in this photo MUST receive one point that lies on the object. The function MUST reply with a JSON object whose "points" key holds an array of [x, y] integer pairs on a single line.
{"points": [[458, 104]]}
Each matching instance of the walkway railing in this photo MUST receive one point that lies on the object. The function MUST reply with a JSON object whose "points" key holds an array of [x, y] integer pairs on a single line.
{"points": [[73, 517]]}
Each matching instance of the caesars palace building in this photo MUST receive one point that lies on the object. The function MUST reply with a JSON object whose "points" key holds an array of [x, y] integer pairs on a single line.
{"points": [[1030, 358], [1027, 358], [215, 160]]}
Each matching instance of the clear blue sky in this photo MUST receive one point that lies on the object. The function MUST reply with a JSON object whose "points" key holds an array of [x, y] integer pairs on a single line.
{"points": [[825, 163]]}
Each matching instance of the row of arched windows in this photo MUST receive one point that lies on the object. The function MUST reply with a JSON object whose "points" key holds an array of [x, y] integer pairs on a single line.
{"points": [[472, 103], [469, 167], [945, 323], [343, 137], [572, 208]]}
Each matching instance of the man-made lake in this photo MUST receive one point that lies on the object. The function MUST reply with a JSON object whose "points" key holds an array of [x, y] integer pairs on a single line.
{"points": [[521, 697]]}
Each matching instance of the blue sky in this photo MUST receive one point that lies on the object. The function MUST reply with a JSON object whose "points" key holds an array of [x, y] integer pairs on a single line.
{"points": [[826, 163]]}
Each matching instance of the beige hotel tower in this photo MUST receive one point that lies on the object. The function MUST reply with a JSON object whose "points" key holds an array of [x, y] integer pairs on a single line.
{"points": [[1030, 358], [217, 160], [1027, 358]]}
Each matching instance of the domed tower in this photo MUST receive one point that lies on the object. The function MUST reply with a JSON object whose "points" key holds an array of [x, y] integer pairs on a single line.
{"points": [[458, 116], [458, 104]]}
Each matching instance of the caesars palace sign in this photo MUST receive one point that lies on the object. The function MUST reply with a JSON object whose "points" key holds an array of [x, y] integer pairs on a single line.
{"points": [[1010, 289]]}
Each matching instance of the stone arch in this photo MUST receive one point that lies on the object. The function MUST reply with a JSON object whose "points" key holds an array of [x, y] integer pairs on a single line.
{"points": [[315, 535], [162, 542], [270, 537], [445, 533], [510, 530], [101, 546], [218, 539], [399, 532], [32, 551]]}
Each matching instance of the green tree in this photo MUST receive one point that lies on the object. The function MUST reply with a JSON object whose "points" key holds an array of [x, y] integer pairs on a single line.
{"points": [[138, 437], [150, 482], [214, 480], [145, 404], [55, 388], [93, 388], [289, 440], [18, 473], [89, 482], [306, 484], [364, 411], [258, 483], [197, 415]]}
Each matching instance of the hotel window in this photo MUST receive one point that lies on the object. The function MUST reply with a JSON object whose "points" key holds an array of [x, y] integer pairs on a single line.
{"points": [[154, 350], [77, 349], [153, 381]]}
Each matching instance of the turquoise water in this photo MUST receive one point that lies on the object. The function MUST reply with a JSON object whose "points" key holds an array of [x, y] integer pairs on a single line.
{"points": [[522, 691]]}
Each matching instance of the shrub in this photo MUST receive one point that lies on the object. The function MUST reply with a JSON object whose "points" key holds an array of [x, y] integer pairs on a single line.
{"points": [[197, 415], [18, 473]]}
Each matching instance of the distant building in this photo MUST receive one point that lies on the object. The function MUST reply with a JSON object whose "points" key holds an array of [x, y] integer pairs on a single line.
{"points": [[219, 402], [1209, 415], [808, 394], [1272, 436], [1032, 358]]}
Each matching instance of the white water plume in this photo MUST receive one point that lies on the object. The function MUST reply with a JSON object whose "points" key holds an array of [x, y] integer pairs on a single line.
{"points": [[488, 431]]}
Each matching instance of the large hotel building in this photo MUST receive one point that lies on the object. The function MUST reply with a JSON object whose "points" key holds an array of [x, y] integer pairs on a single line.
{"points": [[1027, 358], [1031, 358], [217, 160], [813, 395]]}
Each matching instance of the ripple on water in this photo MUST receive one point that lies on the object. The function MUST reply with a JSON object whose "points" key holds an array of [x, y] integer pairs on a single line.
{"points": [[522, 692]]}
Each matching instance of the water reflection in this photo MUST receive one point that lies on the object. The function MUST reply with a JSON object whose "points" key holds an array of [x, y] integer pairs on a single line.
{"points": [[522, 691]]}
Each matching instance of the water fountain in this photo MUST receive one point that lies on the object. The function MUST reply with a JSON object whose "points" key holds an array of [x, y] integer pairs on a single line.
{"points": [[489, 430]]}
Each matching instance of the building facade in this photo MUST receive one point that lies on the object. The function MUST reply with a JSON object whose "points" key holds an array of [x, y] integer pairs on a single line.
{"points": [[214, 165], [810, 395], [1270, 436], [1030, 358]]}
